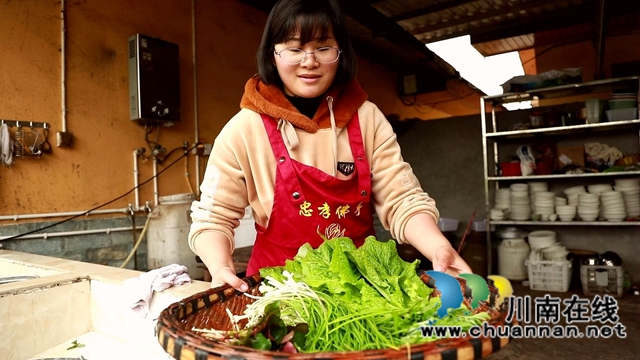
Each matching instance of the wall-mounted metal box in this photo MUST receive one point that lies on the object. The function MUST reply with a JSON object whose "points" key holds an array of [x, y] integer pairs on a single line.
{"points": [[154, 80]]}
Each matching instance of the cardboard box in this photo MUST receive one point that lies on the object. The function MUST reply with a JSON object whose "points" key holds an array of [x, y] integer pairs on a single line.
{"points": [[570, 155]]}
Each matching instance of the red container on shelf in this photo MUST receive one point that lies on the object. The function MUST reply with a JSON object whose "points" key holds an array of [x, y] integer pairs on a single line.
{"points": [[544, 168], [511, 168]]}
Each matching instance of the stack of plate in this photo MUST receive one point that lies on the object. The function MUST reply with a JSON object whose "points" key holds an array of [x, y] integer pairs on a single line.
{"points": [[613, 203], [623, 101], [631, 191], [520, 204], [623, 106], [588, 206]]}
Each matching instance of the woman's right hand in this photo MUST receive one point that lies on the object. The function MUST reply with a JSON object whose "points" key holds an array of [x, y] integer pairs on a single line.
{"points": [[226, 275]]}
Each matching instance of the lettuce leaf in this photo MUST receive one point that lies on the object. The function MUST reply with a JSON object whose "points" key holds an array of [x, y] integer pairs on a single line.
{"points": [[395, 279]]}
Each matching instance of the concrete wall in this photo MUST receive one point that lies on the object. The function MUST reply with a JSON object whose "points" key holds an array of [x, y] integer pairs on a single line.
{"points": [[105, 248], [446, 156]]}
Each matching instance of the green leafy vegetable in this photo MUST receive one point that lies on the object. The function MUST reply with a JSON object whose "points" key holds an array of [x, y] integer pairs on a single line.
{"points": [[260, 342], [75, 344], [342, 298]]}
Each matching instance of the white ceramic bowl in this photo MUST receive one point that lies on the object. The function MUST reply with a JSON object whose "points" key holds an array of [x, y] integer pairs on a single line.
{"points": [[615, 217], [611, 195], [588, 217], [600, 188], [574, 190], [519, 187], [628, 182], [541, 239], [565, 208]]}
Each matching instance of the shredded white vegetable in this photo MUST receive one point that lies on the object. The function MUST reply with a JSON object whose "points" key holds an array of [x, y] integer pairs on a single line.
{"points": [[273, 291]]}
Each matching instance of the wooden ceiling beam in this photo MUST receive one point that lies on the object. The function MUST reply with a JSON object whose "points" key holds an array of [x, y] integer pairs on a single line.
{"points": [[573, 16], [430, 9], [504, 11], [533, 24], [378, 23]]}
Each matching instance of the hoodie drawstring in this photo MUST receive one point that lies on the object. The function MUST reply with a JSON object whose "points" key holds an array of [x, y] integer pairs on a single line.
{"points": [[334, 138], [288, 133]]}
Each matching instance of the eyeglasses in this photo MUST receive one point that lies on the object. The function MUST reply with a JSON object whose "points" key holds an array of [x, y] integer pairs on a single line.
{"points": [[293, 56]]}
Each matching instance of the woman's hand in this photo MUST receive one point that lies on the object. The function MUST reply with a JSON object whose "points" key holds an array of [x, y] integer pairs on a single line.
{"points": [[423, 233], [227, 275], [447, 260], [215, 251]]}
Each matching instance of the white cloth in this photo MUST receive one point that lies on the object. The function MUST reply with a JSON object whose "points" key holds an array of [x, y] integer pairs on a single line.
{"points": [[139, 290], [6, 153]]}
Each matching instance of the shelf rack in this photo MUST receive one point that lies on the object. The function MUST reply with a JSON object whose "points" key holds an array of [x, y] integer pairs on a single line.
{"points": [[491, 134]]}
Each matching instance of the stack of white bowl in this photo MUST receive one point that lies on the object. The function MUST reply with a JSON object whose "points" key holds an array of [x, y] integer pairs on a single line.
{"points": [[588, 206], [631, 190], [600, 189], [544, 246], [544, 204], [560, 201], [535, 187], [503, 197], [566, 212], [520, 204], [614, 208], [496, 214], [573, 193]]}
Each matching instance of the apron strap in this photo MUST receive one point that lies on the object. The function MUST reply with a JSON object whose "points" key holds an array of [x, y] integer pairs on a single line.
{"points": [[357, 149], [285, 166]]}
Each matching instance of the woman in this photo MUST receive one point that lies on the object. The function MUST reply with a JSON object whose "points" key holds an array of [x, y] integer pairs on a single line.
{"points": [[311, 156]]}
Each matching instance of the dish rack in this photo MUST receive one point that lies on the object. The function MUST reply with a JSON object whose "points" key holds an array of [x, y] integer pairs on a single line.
{"points": [[547, 275], [602, 279]]}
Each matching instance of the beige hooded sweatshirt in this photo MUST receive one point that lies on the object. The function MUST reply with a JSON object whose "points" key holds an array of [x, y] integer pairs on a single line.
{"points": [[241, 170]]}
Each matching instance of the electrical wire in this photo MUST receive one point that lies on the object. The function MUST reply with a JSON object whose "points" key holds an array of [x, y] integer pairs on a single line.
{"points": [[161, 160], [105, 204]]}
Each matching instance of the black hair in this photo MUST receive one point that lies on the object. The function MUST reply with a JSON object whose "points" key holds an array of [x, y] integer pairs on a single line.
{"points": [[315, 20]]}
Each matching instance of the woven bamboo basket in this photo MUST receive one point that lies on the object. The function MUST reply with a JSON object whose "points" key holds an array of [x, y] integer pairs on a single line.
{"points": [[207, 310]]}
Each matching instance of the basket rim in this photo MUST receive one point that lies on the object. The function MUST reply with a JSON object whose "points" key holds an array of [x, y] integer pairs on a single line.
{"points": [[173, 336]]}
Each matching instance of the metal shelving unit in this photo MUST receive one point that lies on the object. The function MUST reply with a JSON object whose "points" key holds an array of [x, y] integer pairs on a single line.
{"points": [[565, 223], [490, 133], [565, 176]]}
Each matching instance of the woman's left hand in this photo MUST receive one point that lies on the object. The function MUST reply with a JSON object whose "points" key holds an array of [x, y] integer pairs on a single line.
{"points": [[447, 260]]}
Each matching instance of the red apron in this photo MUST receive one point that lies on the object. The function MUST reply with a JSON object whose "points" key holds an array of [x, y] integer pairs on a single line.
{"points": [[308, 202]]}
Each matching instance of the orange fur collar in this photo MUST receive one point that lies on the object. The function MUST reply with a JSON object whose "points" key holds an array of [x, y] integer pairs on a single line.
{"points": [[270, 100]]}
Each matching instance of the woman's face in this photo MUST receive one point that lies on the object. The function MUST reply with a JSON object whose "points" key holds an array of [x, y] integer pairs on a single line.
{"points": [[310, 78]]}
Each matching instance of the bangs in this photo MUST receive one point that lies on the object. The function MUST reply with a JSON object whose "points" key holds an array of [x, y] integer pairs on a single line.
{"points": [[308, 27]]}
